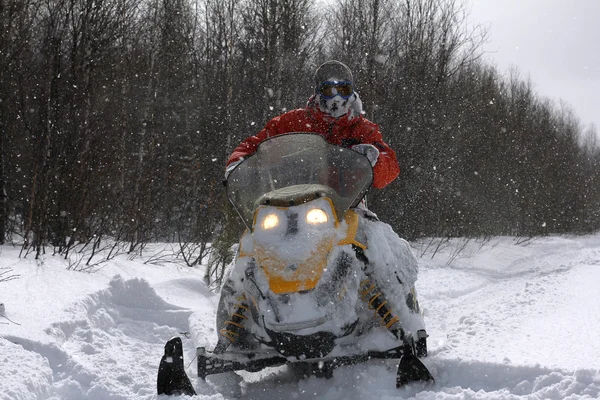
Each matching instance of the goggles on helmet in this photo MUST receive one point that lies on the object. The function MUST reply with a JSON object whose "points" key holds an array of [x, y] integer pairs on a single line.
{"points": [[330, 89]]}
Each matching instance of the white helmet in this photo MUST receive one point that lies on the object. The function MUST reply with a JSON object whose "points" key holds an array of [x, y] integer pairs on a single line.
{"points": [[334, 90]]}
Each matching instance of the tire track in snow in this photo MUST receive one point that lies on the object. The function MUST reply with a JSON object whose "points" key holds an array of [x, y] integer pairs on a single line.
{"points": [[479, 313]]}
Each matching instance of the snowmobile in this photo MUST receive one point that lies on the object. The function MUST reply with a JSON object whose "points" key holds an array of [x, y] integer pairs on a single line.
{"points": [[302, 291]]}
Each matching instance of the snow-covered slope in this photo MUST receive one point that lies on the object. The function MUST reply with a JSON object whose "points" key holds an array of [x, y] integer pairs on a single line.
{"points": [[506, 321]]}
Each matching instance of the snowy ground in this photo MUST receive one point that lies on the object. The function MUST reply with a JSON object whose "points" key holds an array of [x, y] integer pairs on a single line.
{"points": [[506, 321]]}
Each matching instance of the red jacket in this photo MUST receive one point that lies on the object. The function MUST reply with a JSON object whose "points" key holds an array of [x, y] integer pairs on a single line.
{"points": [[339, 131]]}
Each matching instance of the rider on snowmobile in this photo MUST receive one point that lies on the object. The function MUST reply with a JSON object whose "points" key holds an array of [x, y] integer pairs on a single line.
{"points": [[335, 112]]}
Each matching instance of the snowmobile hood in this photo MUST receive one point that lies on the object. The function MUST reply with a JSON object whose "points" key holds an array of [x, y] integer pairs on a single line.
{"points": [[298, 265]]}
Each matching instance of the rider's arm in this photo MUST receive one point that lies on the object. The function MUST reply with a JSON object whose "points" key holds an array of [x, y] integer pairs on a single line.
{"points": [[247, 147], [386, 169], [288, 122]]}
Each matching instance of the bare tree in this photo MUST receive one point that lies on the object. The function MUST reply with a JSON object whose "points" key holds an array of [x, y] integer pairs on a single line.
{"points": [[16, 24]]}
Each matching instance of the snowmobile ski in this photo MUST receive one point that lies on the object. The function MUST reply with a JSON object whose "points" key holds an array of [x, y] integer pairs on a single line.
{"points": [[172, 379], [411, 369]]}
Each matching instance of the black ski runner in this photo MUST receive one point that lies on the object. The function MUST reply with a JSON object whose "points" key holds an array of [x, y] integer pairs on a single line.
{"points": [[411, 369], [172, 379]]}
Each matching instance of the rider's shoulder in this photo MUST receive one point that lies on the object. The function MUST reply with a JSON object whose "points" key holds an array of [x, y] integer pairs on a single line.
{"points": [[364, 124], [289, 115]]}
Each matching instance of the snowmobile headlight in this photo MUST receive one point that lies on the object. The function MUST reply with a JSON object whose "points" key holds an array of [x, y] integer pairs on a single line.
{"points": [[270, 221], [316, 216]]}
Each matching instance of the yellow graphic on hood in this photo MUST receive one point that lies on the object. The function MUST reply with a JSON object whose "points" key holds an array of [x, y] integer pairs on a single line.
{"points": [[289, 276]]}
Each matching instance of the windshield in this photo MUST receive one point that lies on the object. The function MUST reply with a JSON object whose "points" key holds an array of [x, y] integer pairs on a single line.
{"points": [[298, 159]]}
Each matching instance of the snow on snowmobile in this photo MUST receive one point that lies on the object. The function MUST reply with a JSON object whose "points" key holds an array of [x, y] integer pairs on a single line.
{"points": [[302, 290]]}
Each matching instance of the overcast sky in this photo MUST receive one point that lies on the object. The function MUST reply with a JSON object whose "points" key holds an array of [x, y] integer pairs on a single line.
{"points": [[554, 42]]}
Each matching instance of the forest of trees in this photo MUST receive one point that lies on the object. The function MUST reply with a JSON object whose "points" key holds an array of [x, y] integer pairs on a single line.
{"points": [[117, 118]]}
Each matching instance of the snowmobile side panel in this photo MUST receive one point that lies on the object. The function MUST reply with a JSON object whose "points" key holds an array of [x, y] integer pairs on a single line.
{"points": [[352, 220]]}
